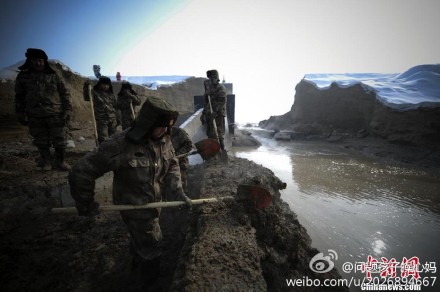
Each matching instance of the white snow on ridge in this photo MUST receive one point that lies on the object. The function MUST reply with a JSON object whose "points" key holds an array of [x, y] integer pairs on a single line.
{"points": [[419, 86], [153, 82]]}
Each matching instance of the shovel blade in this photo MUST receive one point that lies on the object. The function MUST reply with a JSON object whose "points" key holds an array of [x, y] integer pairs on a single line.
{"points": [[207, 148], [257, 195]]}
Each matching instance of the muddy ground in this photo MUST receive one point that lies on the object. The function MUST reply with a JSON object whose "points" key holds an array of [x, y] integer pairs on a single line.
{"points": [[226, 246]]}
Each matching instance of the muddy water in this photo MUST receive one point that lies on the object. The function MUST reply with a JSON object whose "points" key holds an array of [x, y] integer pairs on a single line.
{"points": [[356, 206]]}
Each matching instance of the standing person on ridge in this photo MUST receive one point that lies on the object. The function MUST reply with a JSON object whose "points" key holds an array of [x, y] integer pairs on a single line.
{"points": [[105, 107], [143, 163], [217, 92], [43, 103], [127, 100]]}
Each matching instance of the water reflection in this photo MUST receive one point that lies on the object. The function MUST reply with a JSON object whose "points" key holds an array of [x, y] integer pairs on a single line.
{"points": [[354, 205]]}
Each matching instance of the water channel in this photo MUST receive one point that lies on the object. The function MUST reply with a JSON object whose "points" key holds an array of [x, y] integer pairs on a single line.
{"points": [[355, 206]]}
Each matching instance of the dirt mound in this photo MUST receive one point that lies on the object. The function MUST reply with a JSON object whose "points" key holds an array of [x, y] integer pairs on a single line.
{"points": [[221, 246], [353, 117], [181, 95], [352, 110]]}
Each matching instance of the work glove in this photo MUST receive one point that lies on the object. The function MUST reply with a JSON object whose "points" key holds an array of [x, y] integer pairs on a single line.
{"points": [[181, 196], [22, 119], [88, 209], [203, 119], [67, 116]]}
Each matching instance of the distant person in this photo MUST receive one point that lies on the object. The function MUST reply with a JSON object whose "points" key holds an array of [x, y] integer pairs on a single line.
{"points": [[105, 107], [97, 71], [127, 101], [143, 163], [118, 76], [217, 92], [182, 145], [43, 103]]}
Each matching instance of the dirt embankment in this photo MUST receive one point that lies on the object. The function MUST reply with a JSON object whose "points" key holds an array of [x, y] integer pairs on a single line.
{"points": [[354, 117], [228, 245], [181, 95]]}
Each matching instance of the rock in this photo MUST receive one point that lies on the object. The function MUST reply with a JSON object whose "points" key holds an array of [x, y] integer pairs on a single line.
{"points": [[284, 136], [70, 144]]}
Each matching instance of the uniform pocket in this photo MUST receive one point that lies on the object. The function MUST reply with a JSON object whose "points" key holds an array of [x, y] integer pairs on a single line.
{"points": [[139, 162]]}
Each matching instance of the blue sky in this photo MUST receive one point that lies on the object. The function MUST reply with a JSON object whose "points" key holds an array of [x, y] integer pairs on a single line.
{"points": [[263, 47]]}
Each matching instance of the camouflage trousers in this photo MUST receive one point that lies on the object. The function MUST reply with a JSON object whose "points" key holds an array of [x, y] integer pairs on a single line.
{"points": [[145, 232], [105, 128], [220, 123], [126, 119], [48, 131]]}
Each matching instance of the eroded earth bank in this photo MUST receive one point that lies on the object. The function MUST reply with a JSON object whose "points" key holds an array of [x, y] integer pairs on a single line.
{"points": [[224, 246]]}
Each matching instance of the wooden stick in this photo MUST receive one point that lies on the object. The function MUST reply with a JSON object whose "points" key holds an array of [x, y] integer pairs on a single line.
{"points": [[109, 208], [93, 115]]}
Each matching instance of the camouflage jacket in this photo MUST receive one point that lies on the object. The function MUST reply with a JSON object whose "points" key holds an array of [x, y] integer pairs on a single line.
{"points": [[140, 171], [104, 104], [218, 99], [40, 94], [182, 144], [124, 100]]}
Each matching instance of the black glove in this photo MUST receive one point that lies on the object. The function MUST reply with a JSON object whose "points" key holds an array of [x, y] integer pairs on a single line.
{"points": [[213, 115], [203, 119], [88, 209], [181, 196], [67, 116], [22, 119]]}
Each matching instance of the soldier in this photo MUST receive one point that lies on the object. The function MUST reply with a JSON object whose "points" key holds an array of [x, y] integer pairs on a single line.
{"points": [[217, 93], [182, 144], [207, 85], [127, 100], [106, 115], [143, 162], [43, 103]]}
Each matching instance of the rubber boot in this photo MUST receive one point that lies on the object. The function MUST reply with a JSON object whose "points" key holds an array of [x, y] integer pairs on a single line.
{"points": [[44, 161], [222, 144], [60, 163]]}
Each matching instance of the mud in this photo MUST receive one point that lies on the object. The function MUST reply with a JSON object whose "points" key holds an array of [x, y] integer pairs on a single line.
{"points": [[228, 245]]}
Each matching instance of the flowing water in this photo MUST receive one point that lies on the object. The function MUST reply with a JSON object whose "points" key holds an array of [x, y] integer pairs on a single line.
{"points": [[354, 207]]}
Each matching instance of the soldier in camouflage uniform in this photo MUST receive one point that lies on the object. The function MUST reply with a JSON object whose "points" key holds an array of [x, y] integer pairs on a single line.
{"points": [[43, 103], [217, 92], [182, 144], [143, 162], [127, 100], [106, 114]]}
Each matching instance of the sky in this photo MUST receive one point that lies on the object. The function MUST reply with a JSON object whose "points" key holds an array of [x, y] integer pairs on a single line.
{"points": [[263, 47]]}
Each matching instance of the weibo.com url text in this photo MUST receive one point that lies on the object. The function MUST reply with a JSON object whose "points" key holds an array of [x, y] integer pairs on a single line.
{"points": [[365, 284]]}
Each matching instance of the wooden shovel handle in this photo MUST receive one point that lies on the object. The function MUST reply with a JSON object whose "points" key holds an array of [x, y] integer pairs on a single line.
{"points": [[109, 208]]}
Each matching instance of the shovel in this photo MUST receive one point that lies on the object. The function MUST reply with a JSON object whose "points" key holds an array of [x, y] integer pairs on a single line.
{"points": [[93, 114], [207, 149], [223, 155], [255, 195]]}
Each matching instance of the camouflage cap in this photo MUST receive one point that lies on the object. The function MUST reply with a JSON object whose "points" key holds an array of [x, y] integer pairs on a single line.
{"points": [[214, 75], [153, 110], [104, 80], [32, 53]]}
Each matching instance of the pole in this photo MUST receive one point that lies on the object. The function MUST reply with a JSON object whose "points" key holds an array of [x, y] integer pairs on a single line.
{"points": [[93, 115]]}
